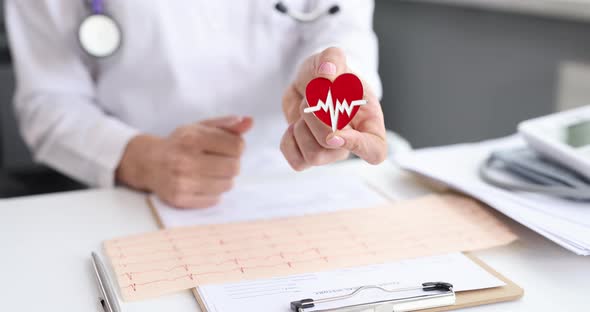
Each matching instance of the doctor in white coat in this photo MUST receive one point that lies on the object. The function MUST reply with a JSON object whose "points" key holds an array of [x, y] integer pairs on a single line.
{"points": [[196, 91]]}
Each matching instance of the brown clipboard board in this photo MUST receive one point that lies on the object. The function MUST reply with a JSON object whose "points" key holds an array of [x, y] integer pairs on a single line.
{"points": [[464, 299], [471, 298]]}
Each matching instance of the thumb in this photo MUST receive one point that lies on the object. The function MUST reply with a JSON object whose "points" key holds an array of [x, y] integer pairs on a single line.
{"points": [[234, 124], [368, 146], [329, 64]]}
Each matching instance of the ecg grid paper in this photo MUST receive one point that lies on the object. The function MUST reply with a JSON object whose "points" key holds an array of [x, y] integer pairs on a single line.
{"points": [[167, 261]]}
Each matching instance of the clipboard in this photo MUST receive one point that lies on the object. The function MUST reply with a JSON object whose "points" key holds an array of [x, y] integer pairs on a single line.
{"points": [[427, 295], [471, 298], [463, 299]]}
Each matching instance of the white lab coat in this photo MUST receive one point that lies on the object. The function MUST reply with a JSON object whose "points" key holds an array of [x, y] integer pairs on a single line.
{"points": [[180, 62]]}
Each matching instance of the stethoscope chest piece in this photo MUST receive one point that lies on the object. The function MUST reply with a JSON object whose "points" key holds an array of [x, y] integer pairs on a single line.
{"points": [[99, 35]]}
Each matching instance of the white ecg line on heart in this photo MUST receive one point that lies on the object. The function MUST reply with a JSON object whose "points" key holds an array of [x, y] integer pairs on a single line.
{"points": [[334, 111]]}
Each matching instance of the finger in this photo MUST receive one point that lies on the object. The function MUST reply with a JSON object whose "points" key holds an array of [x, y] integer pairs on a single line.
{"points": [[191, 201], [370, 116], [199, 137], [234, 124], [329, 64], [183, 164], [201, 185], [291, 99], [368, 146], [291, 151], [242, 127], [217, 166], [213, 186], [319, 130], [313, 153]]}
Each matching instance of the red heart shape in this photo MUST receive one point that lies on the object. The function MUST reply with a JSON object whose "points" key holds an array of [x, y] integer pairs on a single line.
{"points": [[335, 103]]}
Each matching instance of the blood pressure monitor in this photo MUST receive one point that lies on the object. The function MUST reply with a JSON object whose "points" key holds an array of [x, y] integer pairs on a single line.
{"points": [[563, 137]]}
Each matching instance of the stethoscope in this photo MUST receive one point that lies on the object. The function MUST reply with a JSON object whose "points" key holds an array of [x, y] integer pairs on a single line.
{"points": [[307, 17], [100, 36], [538, 175]]}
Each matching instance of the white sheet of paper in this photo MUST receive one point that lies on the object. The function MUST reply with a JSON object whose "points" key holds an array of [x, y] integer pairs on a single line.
{"points": [[276, 294], [563, 221], [276, 197]]}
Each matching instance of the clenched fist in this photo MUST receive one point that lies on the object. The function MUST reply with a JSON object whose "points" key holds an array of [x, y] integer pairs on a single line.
{"points": [[192, 167], [308, 142]]}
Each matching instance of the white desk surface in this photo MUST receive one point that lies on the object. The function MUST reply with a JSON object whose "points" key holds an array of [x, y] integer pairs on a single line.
{"points": [[46, 242]]}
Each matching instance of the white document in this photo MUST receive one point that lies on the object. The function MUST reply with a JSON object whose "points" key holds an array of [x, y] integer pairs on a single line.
{"points": [[276, 197], [276, 294], [563, 221]]}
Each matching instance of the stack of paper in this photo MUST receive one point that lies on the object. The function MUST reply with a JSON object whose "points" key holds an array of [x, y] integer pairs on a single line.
{"points": [[275, 294], [281, 196], [565, 222]]}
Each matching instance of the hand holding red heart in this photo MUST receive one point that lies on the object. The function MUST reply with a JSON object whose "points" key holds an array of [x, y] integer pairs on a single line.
{"points": [[308, 141]]}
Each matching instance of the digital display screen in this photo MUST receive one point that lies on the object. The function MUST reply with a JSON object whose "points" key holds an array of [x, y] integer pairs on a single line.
{"points": [[578, 134]]}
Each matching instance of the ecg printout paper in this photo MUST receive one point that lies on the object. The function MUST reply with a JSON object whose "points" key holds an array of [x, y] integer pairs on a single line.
{"points": [[277, 197], [275, 294], [166, 261]]}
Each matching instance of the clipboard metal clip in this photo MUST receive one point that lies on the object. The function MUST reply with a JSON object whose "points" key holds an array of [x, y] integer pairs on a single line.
{"points": [[428, 295]]}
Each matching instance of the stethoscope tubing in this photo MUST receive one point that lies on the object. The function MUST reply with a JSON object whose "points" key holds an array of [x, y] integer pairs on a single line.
{"points": [[306, 17], [97, 7], [485, 174]]}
